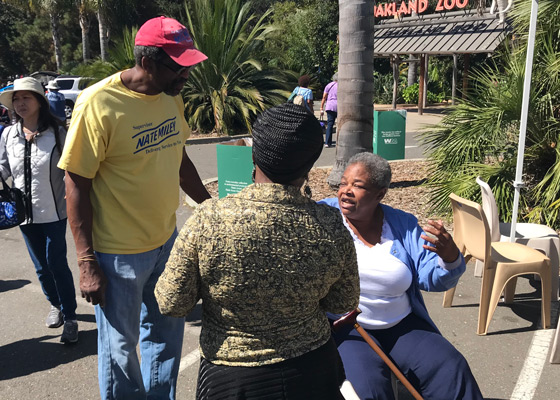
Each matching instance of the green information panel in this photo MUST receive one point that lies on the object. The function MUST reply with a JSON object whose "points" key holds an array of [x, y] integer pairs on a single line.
{"points": [[235, 167], [389, 129]]}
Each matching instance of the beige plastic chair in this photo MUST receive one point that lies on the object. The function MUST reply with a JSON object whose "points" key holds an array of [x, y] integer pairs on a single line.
{"points": [[555, 353], [503, 262], [536, 236]]}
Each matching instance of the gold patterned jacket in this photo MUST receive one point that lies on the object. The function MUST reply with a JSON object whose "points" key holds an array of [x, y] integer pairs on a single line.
{"points": [[267, 263]]}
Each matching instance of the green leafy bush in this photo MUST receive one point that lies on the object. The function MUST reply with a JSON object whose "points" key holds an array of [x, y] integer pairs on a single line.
{"points": [[410, 95], [383, 88]]}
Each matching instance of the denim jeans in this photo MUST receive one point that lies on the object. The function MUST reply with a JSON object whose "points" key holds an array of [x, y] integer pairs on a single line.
{"points": [[131, 314], [331, 116], [46, 244]]}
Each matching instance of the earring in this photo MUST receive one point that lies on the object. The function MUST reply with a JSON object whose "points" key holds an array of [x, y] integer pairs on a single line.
{"points": [[253, 174]]}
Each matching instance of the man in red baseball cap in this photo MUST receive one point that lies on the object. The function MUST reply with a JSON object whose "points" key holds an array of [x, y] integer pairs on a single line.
{"points": [[125, 160]]}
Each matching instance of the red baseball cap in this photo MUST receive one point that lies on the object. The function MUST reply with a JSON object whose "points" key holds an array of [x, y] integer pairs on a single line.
{"points": [[172, 37]]}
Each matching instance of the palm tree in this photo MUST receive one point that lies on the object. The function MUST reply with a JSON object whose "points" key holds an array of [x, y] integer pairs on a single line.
{"points": [[101, 9], [355, 83], [227, 91], [84, 9], [54, 8], [121, 56], [480, 135]]}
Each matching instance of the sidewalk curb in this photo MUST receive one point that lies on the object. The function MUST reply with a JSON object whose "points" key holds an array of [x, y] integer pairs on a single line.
{"points": [[214, 139]]}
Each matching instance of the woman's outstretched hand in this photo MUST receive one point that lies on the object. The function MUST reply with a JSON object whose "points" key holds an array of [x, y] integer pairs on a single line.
{"points": [[440, 242]]}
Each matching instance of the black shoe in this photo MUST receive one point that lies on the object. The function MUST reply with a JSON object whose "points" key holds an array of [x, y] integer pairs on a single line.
{"points": [[70, 332]]}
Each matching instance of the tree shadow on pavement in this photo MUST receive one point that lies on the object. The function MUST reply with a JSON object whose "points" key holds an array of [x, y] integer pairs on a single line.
{"points": [[28, 356], [14, 284], [405, 184]]}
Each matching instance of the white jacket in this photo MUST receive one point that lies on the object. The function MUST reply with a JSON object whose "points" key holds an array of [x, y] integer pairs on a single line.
{"points": [[47, 184]]}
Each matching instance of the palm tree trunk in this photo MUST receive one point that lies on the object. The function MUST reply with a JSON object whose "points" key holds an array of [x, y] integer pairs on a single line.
{"points": [[396, 64], [54, 17], [412, 71], [412, 65], [84, 24], [355, 83], [103, 33]]}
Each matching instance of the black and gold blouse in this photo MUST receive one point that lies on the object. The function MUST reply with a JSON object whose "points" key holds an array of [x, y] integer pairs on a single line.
{"points": [[267, 263]]}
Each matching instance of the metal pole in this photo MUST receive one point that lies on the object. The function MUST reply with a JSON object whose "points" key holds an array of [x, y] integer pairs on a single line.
{"points": [[455, 78], [518, 183]]}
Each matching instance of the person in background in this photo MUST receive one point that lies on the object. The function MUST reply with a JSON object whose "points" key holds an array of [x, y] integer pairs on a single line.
{"points": [[56, 100], [125, 160], [329, 97], [302, 95], [267, 262], [397, 260], [38, 136]]}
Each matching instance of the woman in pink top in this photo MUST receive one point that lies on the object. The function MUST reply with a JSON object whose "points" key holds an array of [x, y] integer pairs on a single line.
{"points": [[329, 96]]}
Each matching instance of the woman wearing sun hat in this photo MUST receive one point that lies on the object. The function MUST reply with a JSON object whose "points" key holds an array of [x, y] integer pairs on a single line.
{"points": [[38, 137]]}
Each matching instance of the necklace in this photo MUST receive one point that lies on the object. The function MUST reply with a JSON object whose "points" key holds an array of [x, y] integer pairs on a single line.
{"points": [[30, 135]]}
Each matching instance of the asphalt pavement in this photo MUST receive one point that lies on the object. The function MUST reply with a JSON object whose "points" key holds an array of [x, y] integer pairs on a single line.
{"points": [[511, 362]]}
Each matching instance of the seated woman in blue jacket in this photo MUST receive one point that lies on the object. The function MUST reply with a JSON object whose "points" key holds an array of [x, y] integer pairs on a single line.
{"points": [[396, 259]]}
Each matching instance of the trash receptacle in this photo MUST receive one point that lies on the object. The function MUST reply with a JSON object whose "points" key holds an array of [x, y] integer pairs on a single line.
{"points": [[235, 166], [389, 129]]}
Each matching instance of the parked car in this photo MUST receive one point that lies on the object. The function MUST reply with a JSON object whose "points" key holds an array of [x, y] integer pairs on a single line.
{"points": [[70, 87], [44, 76]]}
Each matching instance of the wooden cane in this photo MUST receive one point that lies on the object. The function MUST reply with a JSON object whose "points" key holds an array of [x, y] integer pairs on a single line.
{"points": [[350, 318]]}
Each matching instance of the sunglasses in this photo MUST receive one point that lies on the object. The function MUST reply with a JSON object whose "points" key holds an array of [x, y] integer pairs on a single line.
{"points": [[178, 69]]}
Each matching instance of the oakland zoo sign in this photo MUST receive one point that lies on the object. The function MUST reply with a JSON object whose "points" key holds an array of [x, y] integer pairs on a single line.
{"points": [[416, 6]]}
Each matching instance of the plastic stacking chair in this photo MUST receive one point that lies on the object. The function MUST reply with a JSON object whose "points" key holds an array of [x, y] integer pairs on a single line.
{"points": [[555, 352], [536, 236], [503, 261]]}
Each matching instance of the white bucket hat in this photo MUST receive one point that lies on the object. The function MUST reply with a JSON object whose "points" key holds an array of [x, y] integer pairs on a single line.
{"points": [[27, 83], [52, 85]]}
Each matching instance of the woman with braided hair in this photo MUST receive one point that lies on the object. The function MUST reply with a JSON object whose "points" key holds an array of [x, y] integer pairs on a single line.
{"points": [[267, 262]]}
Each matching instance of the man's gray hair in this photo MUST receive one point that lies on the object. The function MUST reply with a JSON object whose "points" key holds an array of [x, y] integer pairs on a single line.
{"points": [[152, 52], [377, 167]]}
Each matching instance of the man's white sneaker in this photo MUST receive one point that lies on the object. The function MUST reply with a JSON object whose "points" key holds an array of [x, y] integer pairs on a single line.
{"points": [[54, 319]]}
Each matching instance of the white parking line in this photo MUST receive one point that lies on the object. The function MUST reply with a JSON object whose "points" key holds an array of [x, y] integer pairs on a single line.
{"points": [[532, 368], [189, 360]]}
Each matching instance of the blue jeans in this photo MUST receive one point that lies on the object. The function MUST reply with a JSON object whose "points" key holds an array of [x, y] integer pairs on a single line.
{"points": [[131, 314], [331, 116], [46, 244]]}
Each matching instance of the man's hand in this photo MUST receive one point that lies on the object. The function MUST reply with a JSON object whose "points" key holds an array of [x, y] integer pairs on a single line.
{"points": [[92, 282]]}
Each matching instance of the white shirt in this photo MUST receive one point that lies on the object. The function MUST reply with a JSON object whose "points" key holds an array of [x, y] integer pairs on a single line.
{"points": [[384, 280]]}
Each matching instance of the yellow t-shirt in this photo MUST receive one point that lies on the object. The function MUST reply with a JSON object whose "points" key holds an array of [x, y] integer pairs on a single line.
{"points": [[130, 145]]}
